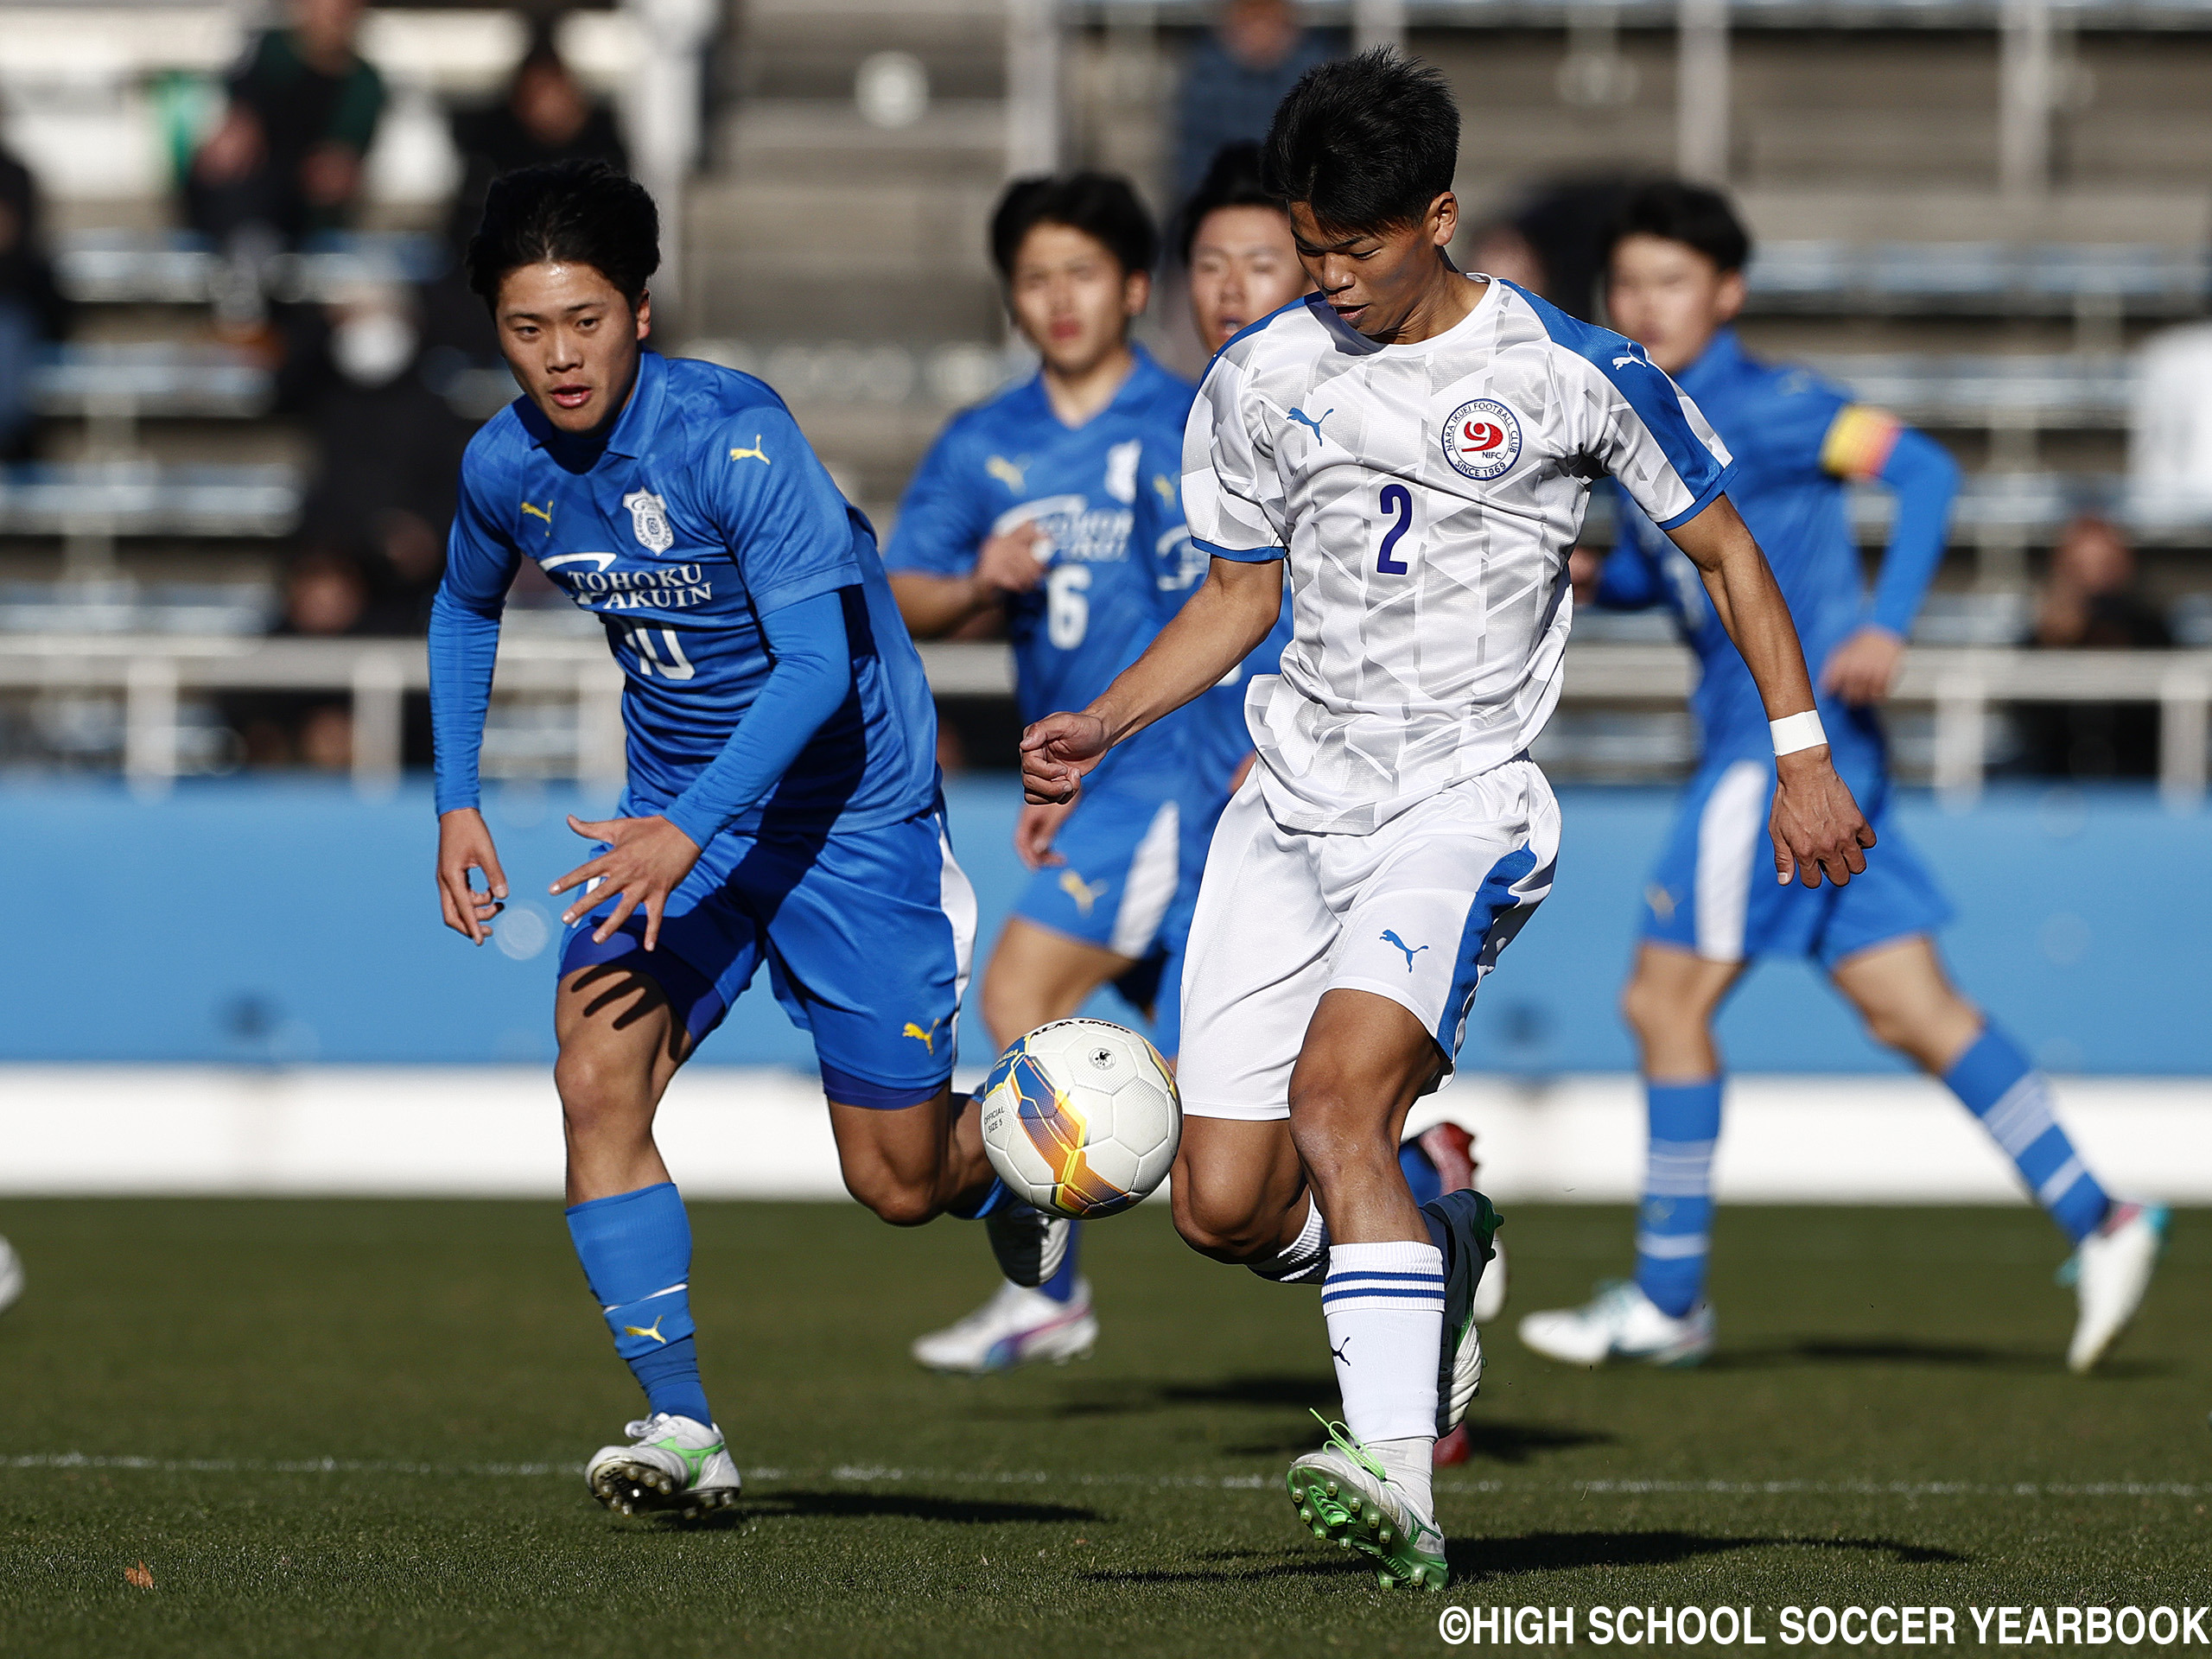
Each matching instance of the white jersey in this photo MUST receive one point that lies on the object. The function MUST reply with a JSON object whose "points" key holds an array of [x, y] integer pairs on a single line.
{"points": [[1427, 497]]}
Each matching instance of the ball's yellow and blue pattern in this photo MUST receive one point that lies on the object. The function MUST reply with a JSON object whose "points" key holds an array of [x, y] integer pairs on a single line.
{"points": [[1081, 1117]]}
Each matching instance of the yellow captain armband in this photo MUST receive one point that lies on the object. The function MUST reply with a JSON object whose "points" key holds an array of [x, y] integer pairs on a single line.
{"points": [[1859, 441]]}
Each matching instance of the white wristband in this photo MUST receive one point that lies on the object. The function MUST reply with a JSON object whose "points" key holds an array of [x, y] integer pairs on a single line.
{"points": [[1796, 732]]}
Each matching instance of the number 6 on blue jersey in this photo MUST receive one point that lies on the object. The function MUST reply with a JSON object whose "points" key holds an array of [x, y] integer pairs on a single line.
{"points": [[1398, 500]]}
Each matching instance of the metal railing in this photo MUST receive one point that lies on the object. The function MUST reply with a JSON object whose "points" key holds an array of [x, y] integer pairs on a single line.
{"points": [[152, 672]]}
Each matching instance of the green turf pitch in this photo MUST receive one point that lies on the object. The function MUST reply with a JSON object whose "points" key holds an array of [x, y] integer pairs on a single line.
{"points": [[1895, 1373]]}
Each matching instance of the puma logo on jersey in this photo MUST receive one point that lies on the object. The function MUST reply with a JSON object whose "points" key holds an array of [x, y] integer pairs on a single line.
{"points": [[1007, 472], [1304, 419], [927, 1039], [1411, 950], [544, 512], [652, 1331], [754, 453], [1084, 893], [1628, 362]]}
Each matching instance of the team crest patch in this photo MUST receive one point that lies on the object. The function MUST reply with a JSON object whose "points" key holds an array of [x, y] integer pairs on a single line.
{"points": [[649, 518], [1483, 438], [1122, 470]]}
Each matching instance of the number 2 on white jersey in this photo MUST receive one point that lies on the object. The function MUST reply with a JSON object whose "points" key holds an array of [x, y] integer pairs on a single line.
{"points": [[1398, 501], [666, 658]]}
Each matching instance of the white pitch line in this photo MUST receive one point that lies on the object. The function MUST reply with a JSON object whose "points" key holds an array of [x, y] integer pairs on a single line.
{"points": [[873, 1475]]}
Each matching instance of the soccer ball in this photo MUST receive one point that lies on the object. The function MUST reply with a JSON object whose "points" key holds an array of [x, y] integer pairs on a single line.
{"points": [[1081, 1118]]}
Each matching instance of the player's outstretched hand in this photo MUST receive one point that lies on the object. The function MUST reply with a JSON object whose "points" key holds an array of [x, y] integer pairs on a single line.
{"points": [[1861, 669], [1818, 829], [1034, 831], [645, 861], [465, 844], [1056, 753]]}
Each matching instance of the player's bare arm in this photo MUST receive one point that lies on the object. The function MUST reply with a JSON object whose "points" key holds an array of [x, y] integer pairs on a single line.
{"points": [[646, 861], [465, 846], [1818, 829], [935, 606], [1230, 615]]}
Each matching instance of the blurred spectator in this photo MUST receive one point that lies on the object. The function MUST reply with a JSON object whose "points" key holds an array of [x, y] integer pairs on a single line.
{"points": [[286, 159], [31, 309], [1238, 73], [2091, 603], [326, 596], [388, 451], [547, 115]]}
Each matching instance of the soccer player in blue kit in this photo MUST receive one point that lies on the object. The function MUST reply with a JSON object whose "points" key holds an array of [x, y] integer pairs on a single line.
{"points": [[1058, 502], [1674, 285], [782, 804]]}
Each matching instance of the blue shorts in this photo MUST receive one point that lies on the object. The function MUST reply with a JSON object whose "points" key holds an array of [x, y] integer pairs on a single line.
{"points": [[1124, 852], [867, 936], [1714, 890], [1201, 817]]}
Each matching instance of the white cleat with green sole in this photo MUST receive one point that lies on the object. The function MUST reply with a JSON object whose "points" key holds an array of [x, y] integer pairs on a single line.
{"points": [[1342, 1496], [672, 1464]]}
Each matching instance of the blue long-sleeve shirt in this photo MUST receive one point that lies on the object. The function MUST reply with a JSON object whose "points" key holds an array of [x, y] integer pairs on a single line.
{"points": [[1799, 443], [768, 677]]}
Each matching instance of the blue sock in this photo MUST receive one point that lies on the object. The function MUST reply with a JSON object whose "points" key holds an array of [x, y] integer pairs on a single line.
{"points": [[636, 1251], [1673, 1232], [2010, 1096], [1061, 1286], [1422, 1176]]}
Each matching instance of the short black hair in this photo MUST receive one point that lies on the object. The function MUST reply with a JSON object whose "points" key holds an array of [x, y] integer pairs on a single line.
{"points": [[567, 213], [1232, 180], [1689, 214], [1101, 206], [1366, 142]]}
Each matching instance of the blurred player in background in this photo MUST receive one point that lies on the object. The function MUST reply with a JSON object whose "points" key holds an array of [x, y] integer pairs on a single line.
{"points": [[1055, 505], [783, 804], [11, 1276], [1677, 283], [1411, 446]]}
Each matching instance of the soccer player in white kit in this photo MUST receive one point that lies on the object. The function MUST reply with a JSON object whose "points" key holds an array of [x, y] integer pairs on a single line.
{"points": [[1415, 447]]}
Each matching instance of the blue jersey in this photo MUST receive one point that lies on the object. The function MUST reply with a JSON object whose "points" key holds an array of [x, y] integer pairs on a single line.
{"points": [[1106, 496], [702, 511], [1798, 442]]}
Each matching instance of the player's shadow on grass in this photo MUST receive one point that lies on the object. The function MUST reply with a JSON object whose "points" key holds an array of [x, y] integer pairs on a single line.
{"points": [[914, 1506], [1906, 1350], [1475, 1559]]}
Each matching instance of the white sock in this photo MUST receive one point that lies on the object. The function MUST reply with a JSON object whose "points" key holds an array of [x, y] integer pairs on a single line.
{"points": [[1410, 1462], [1305, 1258], [1384, 1305]]}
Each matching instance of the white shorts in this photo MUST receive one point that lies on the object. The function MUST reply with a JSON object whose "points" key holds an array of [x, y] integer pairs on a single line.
{"points": [[1417, 910]]}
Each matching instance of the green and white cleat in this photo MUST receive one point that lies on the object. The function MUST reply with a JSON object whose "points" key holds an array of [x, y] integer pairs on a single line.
{"points": [[671, 1463], [1341, 1495]]}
